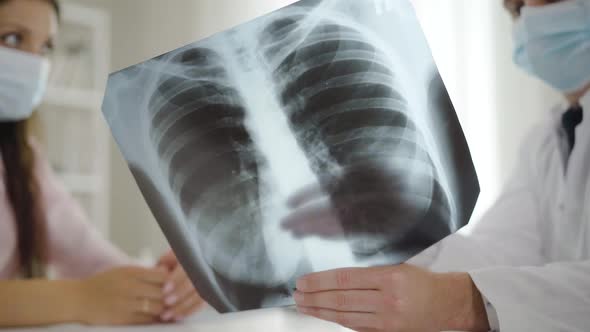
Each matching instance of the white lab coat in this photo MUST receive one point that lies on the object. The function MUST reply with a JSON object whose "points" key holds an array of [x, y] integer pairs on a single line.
{"points": [[530, 253]]}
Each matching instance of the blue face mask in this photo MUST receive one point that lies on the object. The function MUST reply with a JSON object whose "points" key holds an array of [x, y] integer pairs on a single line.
{"points": [[552, 42]]}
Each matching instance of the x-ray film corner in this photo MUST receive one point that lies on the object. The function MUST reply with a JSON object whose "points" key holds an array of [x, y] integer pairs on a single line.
{"points": [[315, 137]]}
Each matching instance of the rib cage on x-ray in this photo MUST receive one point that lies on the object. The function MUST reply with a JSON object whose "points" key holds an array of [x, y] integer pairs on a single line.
{"points": [[213, 164], [350, 117], [340, 95]]}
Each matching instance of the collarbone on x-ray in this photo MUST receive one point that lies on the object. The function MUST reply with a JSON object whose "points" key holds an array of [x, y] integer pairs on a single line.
{"points": [[303, 97]]}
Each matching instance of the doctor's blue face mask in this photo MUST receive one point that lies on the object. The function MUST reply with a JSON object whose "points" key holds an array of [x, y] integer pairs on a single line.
{"points": [[552, 42]]}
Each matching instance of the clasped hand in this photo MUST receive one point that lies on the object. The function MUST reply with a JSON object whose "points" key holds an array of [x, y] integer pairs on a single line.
{"points": [[136, 295]]}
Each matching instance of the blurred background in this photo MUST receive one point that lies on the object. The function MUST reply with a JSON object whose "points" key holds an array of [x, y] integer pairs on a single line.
{"points": [[471, 43]]}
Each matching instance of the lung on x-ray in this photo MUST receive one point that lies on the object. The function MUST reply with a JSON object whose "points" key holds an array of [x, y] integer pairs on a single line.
{"points": [[316, 137]]}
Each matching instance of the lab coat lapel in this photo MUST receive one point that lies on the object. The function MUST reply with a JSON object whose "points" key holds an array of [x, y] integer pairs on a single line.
{"points": [[578, 179], [578, 175], [575, 165]]}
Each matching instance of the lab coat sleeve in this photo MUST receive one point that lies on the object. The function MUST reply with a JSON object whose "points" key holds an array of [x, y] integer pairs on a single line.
{"points": [[507, 234], [504, 255], [554, 297], [75, 248]]}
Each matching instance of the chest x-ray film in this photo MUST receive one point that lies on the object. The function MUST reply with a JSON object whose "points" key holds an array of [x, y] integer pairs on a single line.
{"points": [[318, 136]]}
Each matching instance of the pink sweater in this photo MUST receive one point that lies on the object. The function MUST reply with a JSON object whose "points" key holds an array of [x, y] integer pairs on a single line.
{"points": [[75, 248]]}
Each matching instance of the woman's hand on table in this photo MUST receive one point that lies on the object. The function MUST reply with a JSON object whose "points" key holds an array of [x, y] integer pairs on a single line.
{"points": [[181, 299], [121, 296]]}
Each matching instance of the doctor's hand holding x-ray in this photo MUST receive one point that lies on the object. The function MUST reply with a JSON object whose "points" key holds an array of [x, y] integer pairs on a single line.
{"points": [[528, 259]]}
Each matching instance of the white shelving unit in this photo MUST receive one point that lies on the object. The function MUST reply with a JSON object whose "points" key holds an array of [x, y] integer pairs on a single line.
{"points": [[75, 136]]}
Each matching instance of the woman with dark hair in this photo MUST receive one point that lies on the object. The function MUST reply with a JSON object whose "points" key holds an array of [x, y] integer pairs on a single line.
{"points": [[40, 224]]}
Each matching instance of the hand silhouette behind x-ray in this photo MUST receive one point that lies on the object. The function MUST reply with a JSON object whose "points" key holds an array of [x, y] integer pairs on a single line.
{"points": [[312, 215]]}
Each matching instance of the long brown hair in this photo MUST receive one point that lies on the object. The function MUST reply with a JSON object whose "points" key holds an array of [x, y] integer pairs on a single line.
{"points": [[23, 191]]}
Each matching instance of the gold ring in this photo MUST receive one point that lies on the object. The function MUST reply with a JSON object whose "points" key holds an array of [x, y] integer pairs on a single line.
{"points": [[146, 305]]}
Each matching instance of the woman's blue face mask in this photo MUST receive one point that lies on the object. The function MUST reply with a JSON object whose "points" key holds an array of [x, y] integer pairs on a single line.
{"points": [[552, 42]]}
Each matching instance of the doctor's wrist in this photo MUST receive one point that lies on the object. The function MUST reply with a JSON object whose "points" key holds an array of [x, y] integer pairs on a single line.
{"points": [[461, 304]]}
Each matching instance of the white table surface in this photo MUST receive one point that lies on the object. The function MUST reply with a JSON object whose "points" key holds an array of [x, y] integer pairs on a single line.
{"points": [[272, 320]]}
